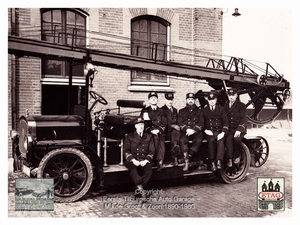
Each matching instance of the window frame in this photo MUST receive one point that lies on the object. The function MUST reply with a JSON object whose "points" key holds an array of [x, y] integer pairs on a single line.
{"points": [[65, 66], [165, 23]]}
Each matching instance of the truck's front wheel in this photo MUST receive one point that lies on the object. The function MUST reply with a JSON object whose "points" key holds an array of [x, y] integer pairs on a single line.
{"points": [[71, 170]]}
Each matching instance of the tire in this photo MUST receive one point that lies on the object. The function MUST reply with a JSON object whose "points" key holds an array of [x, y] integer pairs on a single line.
{"points": [[238, 172], [71, 170], [260, 152]]}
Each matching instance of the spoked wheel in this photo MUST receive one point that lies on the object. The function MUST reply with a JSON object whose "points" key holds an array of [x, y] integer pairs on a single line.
{"points": [[237, 172], [260, 152], [71, 170], [257, 102]]}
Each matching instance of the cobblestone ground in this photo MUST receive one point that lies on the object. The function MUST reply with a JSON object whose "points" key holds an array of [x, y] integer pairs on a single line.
{"points": [[204, 196]]}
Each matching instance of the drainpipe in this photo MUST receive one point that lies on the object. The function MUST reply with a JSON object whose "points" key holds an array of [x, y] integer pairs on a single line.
{"points": [[15, 32], [13, 61]]}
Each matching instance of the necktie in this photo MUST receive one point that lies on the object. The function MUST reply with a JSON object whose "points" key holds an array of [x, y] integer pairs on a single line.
{"points": [[212, 108]]}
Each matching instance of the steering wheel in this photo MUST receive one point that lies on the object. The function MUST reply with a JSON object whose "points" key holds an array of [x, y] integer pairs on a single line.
{"points": [[98, 97]]}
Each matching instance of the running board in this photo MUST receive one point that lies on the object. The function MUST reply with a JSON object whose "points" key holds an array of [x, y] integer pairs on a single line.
{"points": [[119, 168]]}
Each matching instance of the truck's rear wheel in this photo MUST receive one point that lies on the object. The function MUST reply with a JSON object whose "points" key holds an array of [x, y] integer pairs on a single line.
{"points": [[238, 172], [71, 170]]}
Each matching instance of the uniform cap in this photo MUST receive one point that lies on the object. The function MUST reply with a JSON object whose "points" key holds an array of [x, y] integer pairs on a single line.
{"points": [[139, 120], [153, 93], [232, 91], [211, 96], [169, 96], [190, 95]]}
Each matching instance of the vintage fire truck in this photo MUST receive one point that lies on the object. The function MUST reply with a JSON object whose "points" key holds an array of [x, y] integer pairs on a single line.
{"points": [[86, 148]]}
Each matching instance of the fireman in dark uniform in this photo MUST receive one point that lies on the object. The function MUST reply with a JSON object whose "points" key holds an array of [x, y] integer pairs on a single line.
{"points": [[172, 129], [237, 118], [139, 151], [156, 126], [216, 127], [191, 124]]}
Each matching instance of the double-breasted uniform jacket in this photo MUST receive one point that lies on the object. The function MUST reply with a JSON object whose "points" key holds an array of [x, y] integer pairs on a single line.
{"points": [[190, 117], [171, 117], [237, 116], [158, 119], [139, 148], [215, 120]]}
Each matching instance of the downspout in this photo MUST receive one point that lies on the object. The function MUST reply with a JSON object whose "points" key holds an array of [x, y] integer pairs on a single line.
{"points": [[193, 33], [13, 61], [14, 32]]}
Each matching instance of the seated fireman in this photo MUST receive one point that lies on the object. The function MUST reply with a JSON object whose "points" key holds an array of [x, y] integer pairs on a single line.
{"points": [[191, 124], [237, 118], [216, 127], [172, 129], [139, 151], [156, 127]]}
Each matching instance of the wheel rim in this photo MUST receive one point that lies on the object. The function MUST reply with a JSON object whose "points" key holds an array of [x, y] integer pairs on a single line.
{"points": [[69, 173], [237, 170], [261, 152]]}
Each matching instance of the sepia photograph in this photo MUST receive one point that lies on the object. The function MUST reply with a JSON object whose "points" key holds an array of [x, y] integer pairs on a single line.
{"points": [[137, 111]]}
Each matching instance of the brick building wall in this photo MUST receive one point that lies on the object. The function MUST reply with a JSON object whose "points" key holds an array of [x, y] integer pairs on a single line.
{"points": [[187, 31], [193, 32]]}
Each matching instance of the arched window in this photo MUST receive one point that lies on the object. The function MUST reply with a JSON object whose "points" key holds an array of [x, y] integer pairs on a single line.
{"points": [[67, 27], [64, 26], [149, 39]]}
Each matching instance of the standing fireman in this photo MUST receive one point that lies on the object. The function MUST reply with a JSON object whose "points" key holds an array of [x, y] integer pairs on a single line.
{"points": [[237, 117], [216, 126], [156, 126], [172, 129], [139, 151], [190, 121]]}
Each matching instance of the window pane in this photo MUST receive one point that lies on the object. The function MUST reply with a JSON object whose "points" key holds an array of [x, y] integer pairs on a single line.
{"points": [[56, 16], [154, 27], [143, 26], [47, 17], [52, 67], [80, 38], [80, 21], [78, 70], [70, 17], [162, 29]]}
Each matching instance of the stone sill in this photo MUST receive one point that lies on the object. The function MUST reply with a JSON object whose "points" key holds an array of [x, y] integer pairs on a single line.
{"points": [[144, 88]]}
